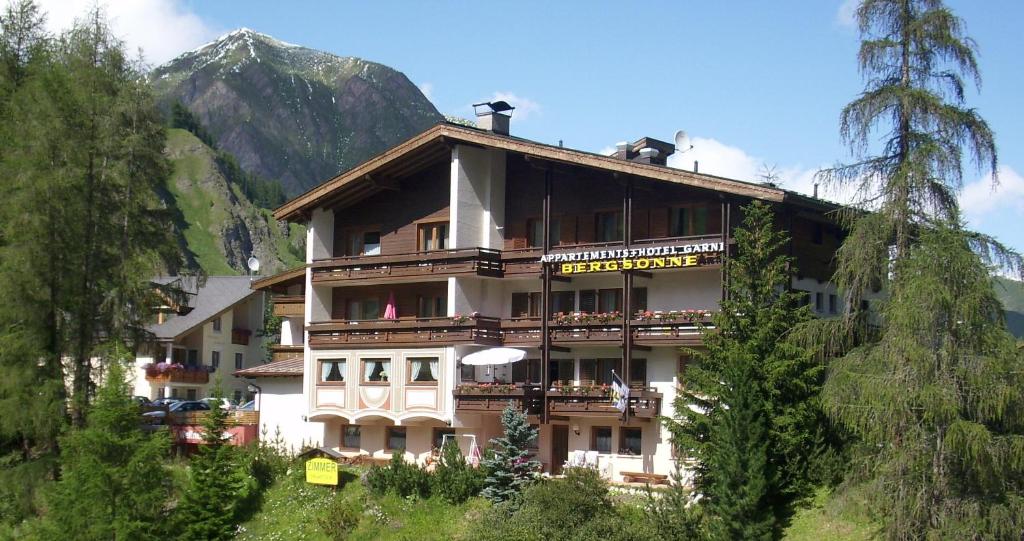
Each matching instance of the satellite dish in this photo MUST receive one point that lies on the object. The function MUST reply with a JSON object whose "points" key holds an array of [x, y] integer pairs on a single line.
{"points": [[682, 141], [254, 264]]}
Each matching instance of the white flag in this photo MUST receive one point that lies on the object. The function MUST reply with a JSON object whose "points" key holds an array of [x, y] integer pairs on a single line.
{"points": [[620, 393]]}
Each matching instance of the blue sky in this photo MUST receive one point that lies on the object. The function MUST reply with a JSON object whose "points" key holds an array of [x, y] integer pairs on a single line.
{"points": [[753, 83]]}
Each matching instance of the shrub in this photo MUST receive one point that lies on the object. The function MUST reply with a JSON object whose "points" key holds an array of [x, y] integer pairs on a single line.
{"points": [[578, 507], [341, 518], [454, 479], [399, 477]]}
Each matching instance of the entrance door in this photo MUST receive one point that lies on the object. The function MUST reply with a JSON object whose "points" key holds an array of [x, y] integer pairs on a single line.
{"points": [[559, 447]]}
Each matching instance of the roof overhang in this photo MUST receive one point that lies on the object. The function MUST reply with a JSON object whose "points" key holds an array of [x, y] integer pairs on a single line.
{"points": [[289, 277], [375, 174]]}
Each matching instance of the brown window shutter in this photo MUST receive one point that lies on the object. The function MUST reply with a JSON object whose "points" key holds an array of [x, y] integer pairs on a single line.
{"points": [[586, 228], [638, 300], [568, 234], [659, 223], [338, 304], [641, 223]]}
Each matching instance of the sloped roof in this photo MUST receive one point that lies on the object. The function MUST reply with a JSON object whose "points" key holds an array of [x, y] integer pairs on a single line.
{"points": [[295, 275], [290, 367], [219, 294], [446, 133]]}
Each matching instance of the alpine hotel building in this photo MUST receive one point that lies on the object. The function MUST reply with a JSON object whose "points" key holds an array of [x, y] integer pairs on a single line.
{"points": [[463, 239]]}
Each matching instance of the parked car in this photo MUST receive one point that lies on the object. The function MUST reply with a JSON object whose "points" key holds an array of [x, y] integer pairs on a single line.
{"points": [[141, 400], [224, 402], [166, 401], [248, 406], [190, 405]]}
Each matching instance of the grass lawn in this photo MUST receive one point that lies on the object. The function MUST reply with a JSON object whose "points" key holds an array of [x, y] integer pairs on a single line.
{"points": [[292, 510], [823, 520]]}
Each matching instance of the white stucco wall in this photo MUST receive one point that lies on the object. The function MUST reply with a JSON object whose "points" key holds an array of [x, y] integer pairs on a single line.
{"points": [[282, 407], [477, 197]]}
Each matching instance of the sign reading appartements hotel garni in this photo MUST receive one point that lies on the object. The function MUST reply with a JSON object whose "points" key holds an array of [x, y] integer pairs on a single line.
{"points": [[647, 258]]}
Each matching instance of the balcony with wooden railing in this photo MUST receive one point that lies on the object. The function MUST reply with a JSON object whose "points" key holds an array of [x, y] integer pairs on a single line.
{"points": [[668, 328], [596, 401], [440, 331], [289, 305], [281, 352], [495, 397], [414, 265], [163, 373]]}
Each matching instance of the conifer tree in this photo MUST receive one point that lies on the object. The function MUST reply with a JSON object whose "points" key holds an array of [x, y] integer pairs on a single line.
{"points": [[510, 469], [929, 381], [114, 483], [217, 484], [748, 413]]}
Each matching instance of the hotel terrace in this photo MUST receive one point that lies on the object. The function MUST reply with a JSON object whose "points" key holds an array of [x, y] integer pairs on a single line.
{"points": [[463, 239]]}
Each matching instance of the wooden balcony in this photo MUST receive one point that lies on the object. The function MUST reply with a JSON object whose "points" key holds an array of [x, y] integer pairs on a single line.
{"points": [[494, 398], [289, 305], [596, 402], [280, 352], [416, 265], [198, 375], [526, 332], [442, 331]]}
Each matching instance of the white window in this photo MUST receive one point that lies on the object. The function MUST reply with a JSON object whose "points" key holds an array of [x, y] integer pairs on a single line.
{"points": [[332, 371], [376, 370], [424, 370]]}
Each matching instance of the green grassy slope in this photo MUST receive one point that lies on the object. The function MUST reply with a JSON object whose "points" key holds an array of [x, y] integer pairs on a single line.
{"points": [[211, 209]]}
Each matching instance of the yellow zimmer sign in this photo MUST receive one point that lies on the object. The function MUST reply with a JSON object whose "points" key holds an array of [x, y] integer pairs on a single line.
{"points": [[321, 471]]}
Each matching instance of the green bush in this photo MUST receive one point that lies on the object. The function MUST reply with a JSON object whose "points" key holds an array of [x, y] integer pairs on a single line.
{"points": [[454, 479], [341, 518], [578, 507], [399, 477]]}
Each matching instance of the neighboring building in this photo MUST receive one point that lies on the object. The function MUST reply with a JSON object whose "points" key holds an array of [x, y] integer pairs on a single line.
{"points": [[216, 334], [462, 239]]}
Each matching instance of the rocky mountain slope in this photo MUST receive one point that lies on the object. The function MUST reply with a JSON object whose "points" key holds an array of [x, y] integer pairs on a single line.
{"points": [[218, 228], [289, 113]]}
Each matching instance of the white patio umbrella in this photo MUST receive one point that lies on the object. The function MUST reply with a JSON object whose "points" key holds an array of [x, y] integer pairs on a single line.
{"points": [[494, 357]]}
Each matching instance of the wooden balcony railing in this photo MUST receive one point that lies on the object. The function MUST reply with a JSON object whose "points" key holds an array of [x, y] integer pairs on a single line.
{"points": [[280, 352], [442, 331], [466, 261], [178, 374], [493, 398], [596, 402], [653, 331], [289, 305]]}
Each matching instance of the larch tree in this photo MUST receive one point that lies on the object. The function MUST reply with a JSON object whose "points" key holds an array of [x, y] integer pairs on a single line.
{"points": [[929, 381], [748, 413]]}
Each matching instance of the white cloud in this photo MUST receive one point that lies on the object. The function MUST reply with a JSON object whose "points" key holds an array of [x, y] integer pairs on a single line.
{"points": [[846, 15], [428, 90], [982, 199], [163, 29], [525, 107]]}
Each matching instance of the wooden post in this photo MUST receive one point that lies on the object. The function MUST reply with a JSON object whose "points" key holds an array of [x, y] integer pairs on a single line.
{"points": [[545, 303], [627, 292]]}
